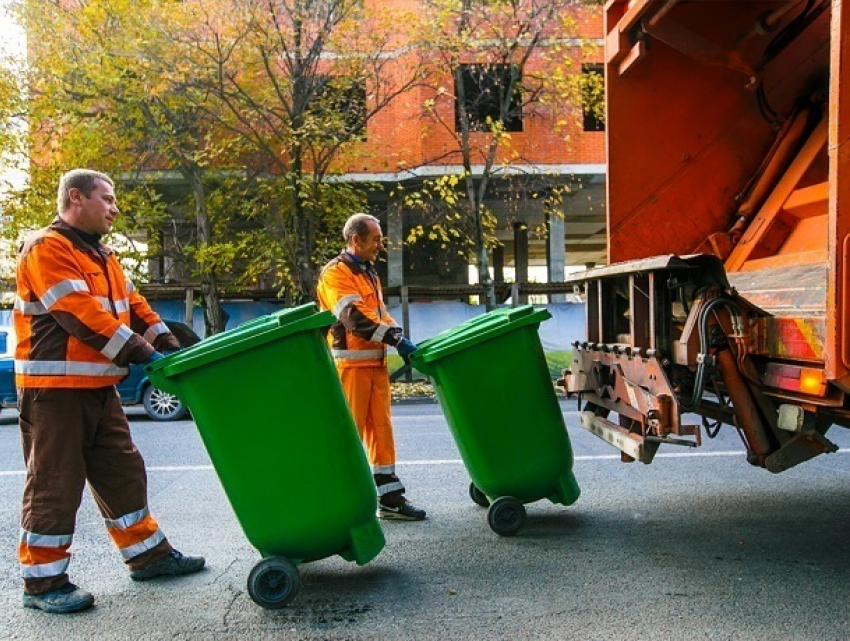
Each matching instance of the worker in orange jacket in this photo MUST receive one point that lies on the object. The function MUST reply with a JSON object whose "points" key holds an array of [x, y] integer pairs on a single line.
{"points": [[350, 288], [79, 324]]}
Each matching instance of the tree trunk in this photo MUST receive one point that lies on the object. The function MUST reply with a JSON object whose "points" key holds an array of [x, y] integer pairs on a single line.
{"points": [[484, 265], [303, 270], [482, 258], [214, 320]]}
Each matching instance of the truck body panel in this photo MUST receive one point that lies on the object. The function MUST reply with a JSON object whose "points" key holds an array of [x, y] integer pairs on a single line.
{"points": [[728, 141]]}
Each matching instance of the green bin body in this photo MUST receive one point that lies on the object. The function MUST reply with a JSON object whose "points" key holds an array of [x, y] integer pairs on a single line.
{"points": [[493, 384], [270, 409]]}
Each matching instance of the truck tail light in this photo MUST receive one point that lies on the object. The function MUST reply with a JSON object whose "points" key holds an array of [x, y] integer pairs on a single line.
{"points": [[794, 378]]}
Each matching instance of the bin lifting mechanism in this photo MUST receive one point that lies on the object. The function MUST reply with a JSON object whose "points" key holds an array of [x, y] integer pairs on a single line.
{"points": [[683, 345]]}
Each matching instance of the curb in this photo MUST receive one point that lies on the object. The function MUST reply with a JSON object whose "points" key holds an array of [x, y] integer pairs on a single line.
{"points": [[415, 400]]}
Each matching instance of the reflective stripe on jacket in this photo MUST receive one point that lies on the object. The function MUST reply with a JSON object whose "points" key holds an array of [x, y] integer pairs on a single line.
{"points": [[78, 321], [364, 327]]}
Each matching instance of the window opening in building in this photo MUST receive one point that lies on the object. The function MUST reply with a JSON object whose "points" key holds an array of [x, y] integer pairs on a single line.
{"points": [[341, 98], [593, 97], [482, 88]]}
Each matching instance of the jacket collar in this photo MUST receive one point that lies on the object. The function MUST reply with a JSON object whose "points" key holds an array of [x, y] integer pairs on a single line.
{"points": [[357, 263], [61, 227]]}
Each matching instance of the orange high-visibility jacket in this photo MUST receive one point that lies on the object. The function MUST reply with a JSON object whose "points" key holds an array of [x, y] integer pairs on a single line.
{"points": [[78, 321], [352, 291]]}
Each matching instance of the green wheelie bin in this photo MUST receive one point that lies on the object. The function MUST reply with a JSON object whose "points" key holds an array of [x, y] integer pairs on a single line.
{"points": [[270, 409], [491, 378]]}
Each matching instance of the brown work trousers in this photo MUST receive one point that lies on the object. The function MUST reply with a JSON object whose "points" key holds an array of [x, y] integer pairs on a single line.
{"points": [[70, 436]]}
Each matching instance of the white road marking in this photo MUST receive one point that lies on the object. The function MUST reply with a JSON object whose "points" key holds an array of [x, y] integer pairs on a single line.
{"points": [[452, 461]]}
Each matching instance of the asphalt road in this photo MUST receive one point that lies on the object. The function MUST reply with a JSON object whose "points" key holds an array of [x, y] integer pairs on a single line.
{"points": [[699, 545]]}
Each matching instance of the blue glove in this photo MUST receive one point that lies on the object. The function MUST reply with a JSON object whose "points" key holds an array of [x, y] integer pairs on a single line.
{"points": [[405, 348], [152, 358]]}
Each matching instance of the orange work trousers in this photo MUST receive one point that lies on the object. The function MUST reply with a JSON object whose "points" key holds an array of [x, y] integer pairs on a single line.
{"points": [[367, 390]]}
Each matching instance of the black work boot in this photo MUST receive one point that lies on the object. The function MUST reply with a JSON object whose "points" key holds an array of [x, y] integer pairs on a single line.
{"points": [[175, 564], [69, 598], [399, 509]]}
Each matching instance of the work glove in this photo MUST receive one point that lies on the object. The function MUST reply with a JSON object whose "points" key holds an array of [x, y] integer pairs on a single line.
{"points": [[152, 358], [405, 348]]}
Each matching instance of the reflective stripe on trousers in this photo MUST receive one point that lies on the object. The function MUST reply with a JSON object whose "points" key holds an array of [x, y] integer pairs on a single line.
{"points": [[135, 533], [43, 555], [386, 480]]}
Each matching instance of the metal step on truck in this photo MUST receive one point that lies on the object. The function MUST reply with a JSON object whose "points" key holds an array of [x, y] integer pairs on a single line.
{"points": [[726, 300]]}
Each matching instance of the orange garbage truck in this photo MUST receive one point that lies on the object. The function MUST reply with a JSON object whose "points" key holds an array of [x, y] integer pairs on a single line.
{"points": [[726, 299]]}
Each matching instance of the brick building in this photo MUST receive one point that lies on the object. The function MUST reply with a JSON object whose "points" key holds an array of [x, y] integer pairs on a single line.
{"points": [[409, 146], [405, 145]]}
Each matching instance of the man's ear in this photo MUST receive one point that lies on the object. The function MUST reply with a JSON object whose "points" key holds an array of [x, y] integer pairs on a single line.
{"points": [[75, 195]]}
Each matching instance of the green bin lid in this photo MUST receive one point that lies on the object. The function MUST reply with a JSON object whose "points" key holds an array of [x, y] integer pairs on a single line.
{"points": [[292, 314], [475, 331], [248, 335]]}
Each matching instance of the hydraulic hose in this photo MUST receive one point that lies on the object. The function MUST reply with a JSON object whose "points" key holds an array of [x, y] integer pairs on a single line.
{"points": [[730, 365], [702, 324]]}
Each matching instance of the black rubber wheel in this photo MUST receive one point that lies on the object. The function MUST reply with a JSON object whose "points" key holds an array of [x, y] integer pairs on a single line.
{"points": [[478, 497], [506, 516], [274, 582], [183, 333]]}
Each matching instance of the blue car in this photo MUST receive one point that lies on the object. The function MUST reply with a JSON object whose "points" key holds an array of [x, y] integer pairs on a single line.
{"points": [[134, 388]]}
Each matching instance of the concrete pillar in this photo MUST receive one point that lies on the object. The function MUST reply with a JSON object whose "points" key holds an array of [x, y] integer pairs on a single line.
{"points": [[555, 253], [499, 264], [395, 244], [521, 256]]}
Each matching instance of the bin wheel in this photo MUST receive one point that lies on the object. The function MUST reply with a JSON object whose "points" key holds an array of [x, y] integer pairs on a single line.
{"points": [[506, 516], [274, 582], [478, 497]]}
